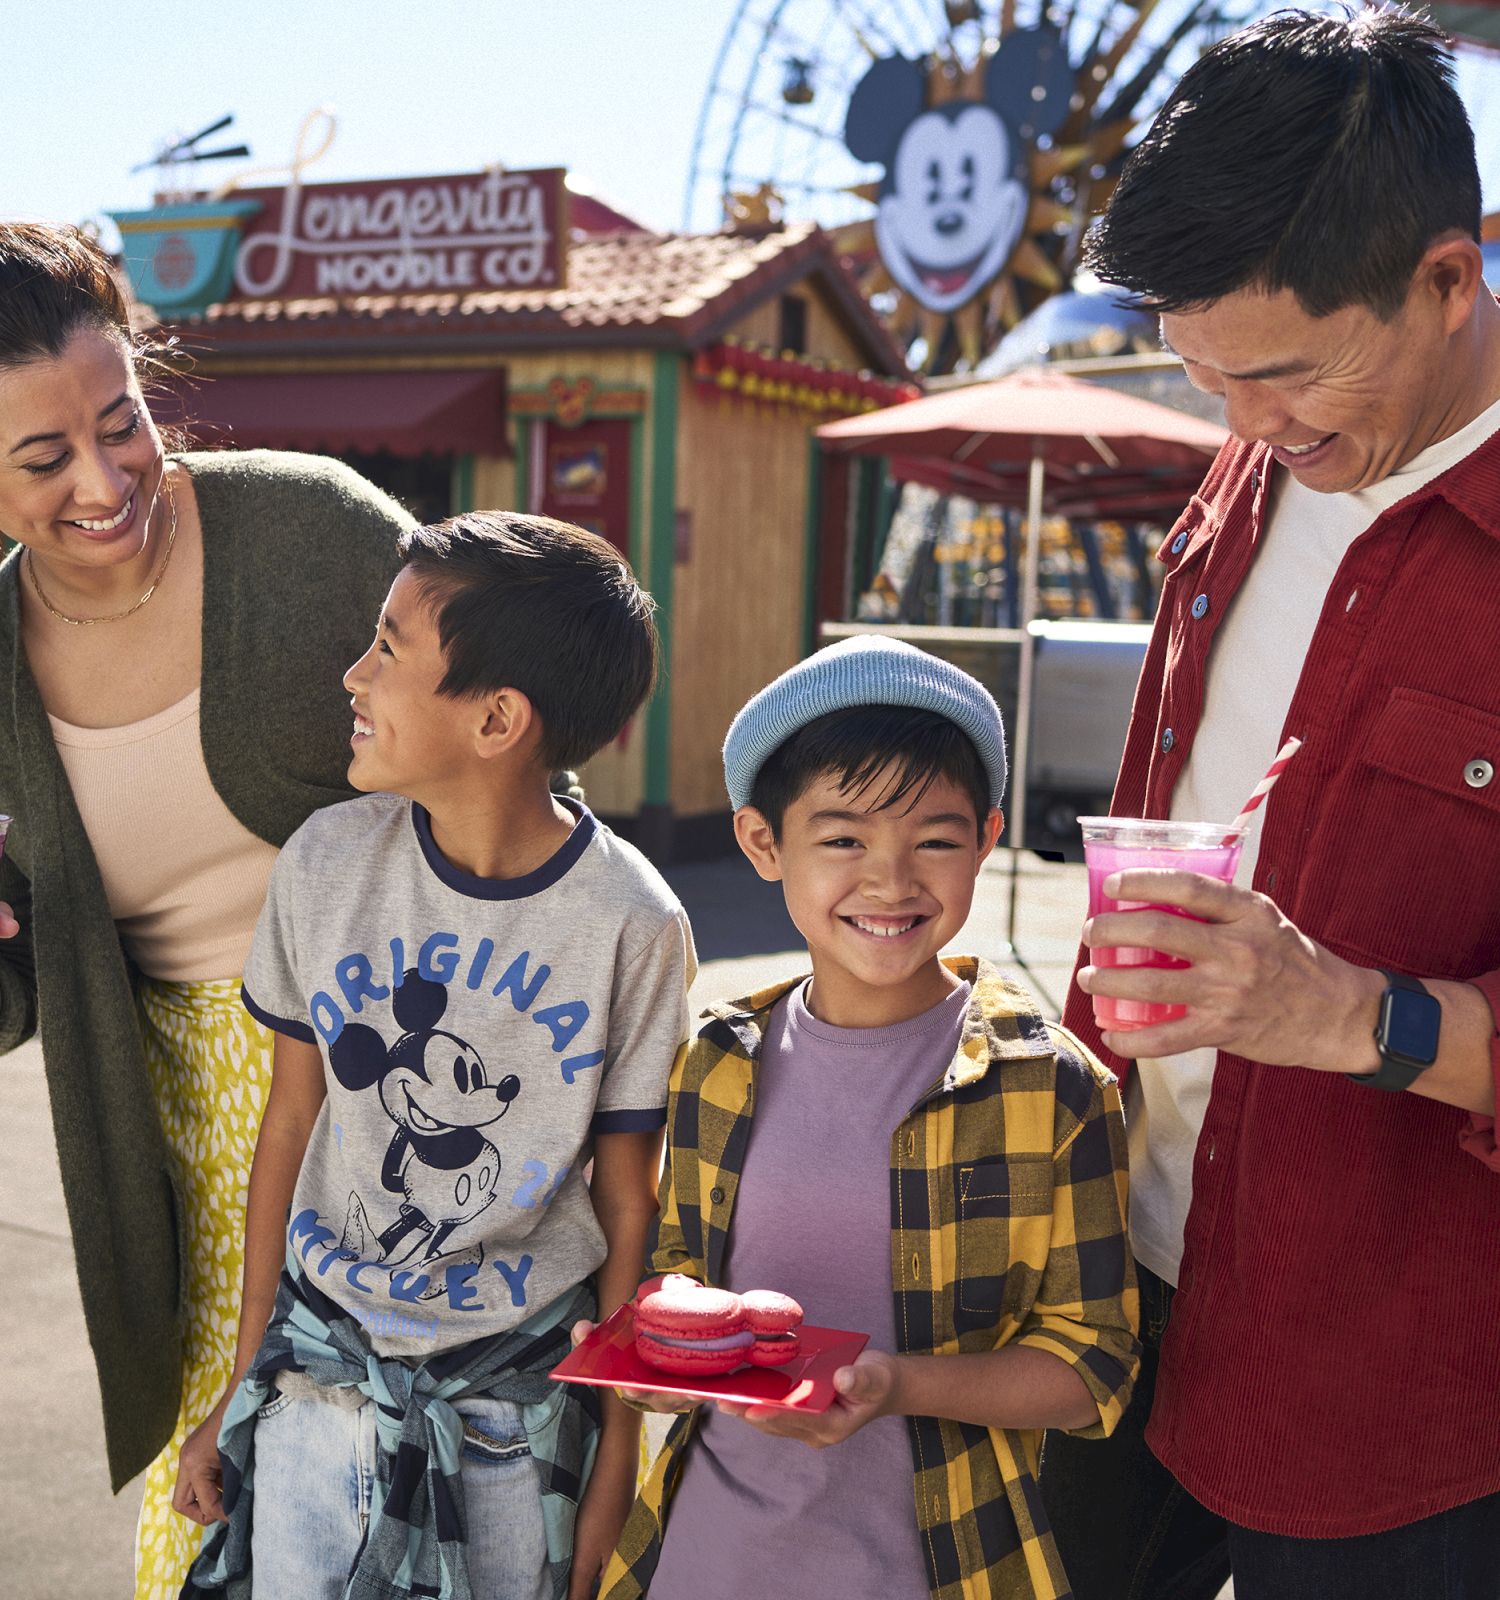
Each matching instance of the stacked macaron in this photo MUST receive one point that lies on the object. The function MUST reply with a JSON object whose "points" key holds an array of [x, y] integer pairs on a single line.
{"points": [[692, 1331]]}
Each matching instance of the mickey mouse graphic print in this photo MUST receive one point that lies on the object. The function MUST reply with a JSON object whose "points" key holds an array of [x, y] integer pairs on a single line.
{"points": [[476, 1034]]}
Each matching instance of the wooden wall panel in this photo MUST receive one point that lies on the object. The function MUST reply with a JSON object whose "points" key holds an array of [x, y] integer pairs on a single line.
{"points": [[494, 484], [738, 604], [826, 337]]}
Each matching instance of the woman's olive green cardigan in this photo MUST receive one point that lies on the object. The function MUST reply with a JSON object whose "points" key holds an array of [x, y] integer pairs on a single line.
{"points": [[297, 555]]}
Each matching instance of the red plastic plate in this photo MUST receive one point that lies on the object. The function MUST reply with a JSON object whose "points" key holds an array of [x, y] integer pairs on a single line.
{"points": [[607, 1358]]}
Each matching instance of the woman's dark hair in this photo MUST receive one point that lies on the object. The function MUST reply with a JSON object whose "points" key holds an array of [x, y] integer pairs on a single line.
{"points": [[542, 607], [857, 745], [54, 281], [1320, 154]]}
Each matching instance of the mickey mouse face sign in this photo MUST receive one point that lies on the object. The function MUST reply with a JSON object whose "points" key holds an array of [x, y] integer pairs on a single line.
{"points": [[952, 205]]}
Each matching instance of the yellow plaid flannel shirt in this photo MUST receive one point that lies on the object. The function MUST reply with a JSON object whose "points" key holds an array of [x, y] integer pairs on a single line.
{"points": [[1008, 1207]]}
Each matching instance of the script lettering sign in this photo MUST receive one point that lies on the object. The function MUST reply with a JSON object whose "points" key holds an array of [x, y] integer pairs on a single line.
{"points": [[479, 230]]}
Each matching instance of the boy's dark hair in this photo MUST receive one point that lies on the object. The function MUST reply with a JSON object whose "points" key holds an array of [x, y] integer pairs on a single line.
{"points": [[857, 745], [1320, 154], [542, 607]]}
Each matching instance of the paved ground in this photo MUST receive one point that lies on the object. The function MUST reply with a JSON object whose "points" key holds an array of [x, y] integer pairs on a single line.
{"points": [[61, 1532]]}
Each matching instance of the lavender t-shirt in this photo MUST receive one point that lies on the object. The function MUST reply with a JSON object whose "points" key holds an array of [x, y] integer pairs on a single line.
{"points": [[756, 1515]]}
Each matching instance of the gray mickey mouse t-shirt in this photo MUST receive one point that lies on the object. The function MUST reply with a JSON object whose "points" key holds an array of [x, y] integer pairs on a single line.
{"points": [[476, 1034]]}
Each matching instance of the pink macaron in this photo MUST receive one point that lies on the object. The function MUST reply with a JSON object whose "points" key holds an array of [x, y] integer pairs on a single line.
{"points": [[693, 1331], [773, 1319]]}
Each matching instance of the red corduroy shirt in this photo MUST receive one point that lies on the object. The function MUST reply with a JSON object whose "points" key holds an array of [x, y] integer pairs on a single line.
{"points": [[1332, 1362]]}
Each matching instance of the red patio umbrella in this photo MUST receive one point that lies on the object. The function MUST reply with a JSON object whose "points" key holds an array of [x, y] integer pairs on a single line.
{"points": [[1059, 434], [1080, 428]]}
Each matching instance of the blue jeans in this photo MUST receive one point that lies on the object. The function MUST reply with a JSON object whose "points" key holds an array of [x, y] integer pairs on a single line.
{"points": [[1127, 1530], [315, 1475]]}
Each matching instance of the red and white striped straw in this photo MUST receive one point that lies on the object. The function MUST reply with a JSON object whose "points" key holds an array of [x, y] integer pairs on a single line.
{"points": [[1263, 788]]}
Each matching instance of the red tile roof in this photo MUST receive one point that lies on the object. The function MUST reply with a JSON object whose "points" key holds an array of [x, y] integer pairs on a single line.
{"points": [[673, 290]]}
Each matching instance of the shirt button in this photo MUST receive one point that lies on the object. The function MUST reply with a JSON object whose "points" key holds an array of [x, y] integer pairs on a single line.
{"points": [[1179, 544], [1210, 1151], [1200, 607], [1349, 603], [1168, 739], [1255, 480], [1478, 773], [717, 1196]]}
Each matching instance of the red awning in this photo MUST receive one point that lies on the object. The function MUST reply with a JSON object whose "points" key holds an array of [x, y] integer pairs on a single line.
{"points": [[407, 413]]}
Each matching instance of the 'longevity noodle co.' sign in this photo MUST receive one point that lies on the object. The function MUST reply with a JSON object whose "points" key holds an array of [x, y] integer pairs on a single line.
{"points": [[482, 230]]}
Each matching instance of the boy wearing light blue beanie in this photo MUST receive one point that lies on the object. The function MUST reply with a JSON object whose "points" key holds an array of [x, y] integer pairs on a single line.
{"points": [[906, 1147]]}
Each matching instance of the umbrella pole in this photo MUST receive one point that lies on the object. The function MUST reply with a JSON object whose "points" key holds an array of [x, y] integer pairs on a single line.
{"points": [[1021, 737]]}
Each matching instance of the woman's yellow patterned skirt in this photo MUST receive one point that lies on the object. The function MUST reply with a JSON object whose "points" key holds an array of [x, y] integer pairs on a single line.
{"points": [[210, 1064]]}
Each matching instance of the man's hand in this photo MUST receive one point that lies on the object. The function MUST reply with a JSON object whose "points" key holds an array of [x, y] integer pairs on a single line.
{"points": [[9, 927], [866, 1390], [1257, 987], [199, 1491]]}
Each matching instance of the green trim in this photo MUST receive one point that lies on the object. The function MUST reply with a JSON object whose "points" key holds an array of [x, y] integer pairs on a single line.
{"points": [[637, 539], [661, 556], [812, 545], [637, 393], [461, 485], [867, 501], [887, 499], [523, 463]]}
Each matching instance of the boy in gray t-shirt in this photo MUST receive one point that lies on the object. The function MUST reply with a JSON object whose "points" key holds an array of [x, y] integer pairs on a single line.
{"points": [[476, 989]]}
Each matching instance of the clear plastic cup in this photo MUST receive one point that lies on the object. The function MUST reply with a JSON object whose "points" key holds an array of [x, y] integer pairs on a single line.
{"points": [[1114, 844], [4, 829]]}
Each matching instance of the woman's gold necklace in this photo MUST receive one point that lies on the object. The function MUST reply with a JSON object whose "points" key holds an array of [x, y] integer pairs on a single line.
{"points": [[129, 611]]}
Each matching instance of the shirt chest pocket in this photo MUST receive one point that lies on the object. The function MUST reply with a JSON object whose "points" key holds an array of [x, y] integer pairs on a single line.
{"points": [[1004, 1226], [1418, 833]]}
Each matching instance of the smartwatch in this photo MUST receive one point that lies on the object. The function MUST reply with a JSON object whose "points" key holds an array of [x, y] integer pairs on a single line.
{"points": [[1406, 1035]]}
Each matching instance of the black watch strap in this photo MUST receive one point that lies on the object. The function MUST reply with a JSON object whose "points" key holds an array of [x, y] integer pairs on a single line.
{"points": [[1396, 1072]]}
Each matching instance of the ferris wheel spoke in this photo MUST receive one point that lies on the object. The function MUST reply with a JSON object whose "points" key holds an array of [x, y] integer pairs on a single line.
{"points": [[867, 29], [921, 29], [787, 119]]}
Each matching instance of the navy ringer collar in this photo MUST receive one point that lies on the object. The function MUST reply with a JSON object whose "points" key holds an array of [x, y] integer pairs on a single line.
{"points": [[551, 871]]}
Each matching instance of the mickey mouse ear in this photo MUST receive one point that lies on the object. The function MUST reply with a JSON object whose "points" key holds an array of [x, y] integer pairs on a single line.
{"points": [[357, 1056], [886, 101], [419, 1003], [1030, 81]]}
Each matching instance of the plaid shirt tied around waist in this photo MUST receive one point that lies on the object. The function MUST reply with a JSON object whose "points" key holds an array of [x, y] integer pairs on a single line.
{"points": [[417, 1535], [1008, 1204]]}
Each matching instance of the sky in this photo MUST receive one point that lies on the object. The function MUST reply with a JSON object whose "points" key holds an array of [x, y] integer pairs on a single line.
{"points": [[610, 89]]}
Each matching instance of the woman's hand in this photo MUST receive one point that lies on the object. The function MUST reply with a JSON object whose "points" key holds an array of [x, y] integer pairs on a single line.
{"points": [[9, 927], [199, 1491]]}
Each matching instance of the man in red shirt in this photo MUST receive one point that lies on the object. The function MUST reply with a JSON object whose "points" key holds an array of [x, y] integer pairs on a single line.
{"points": [[1315, 1181]]}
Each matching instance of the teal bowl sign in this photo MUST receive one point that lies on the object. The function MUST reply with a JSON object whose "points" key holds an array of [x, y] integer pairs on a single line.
{"points": [[181, 257]]}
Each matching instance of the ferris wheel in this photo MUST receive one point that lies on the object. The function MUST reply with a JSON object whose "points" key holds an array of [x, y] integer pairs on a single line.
{"points": [[1033, 103]]}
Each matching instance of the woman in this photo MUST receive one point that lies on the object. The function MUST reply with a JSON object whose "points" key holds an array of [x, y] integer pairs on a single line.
{"points": [[173, 631]]}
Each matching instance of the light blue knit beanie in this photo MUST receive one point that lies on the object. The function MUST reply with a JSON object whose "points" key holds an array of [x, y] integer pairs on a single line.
{"points": [[867, 670]]}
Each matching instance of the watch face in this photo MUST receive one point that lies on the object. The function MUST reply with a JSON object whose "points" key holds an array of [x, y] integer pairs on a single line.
{"points": [[1409, 1026]]}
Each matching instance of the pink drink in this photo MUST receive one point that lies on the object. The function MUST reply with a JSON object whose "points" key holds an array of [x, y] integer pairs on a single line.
{"points": [[1114, 844], [4, 830]]}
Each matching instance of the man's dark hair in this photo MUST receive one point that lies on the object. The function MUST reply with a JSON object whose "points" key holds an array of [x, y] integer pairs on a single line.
{"points": [[542, 607], [857, 745], [1320, 154]]}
